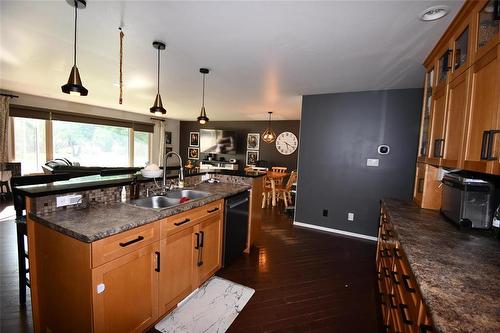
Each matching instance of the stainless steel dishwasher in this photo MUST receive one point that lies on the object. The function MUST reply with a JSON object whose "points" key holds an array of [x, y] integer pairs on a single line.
{"points": [[235, 226]]}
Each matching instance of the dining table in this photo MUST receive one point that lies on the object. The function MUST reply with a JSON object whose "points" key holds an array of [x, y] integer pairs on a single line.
{"points": [[274, 178]]}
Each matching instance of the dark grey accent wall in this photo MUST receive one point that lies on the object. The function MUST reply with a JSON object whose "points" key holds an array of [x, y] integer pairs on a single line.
{"points": [[267, 151], [339, 132]]}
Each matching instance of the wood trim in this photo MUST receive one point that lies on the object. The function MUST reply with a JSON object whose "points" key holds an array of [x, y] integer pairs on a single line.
{"points": [[461, 16]]}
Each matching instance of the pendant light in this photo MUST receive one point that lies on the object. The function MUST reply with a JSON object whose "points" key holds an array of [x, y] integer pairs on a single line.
{"points": [[203, 119], [157, 107], [74, 85], [269, 136]]}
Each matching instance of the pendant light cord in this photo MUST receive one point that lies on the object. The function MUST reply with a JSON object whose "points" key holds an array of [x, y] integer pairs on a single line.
{"points": [[203, 92], [158, 71], [74, 44]]}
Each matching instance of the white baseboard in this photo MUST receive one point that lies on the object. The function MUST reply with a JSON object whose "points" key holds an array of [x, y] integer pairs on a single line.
{"points": [[334, 231]]}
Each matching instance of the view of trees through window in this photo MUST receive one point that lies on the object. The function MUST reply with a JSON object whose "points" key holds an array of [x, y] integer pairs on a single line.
{"points": [[91, 145], [141, 148], [29, 144]]}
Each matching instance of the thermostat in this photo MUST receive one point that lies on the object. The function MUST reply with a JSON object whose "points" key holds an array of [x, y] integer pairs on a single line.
{"points": [[383, 149]]}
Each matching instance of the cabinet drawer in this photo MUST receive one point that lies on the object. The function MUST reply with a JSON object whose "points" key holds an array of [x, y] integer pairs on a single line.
{"points": [[115, 246], [178, 222]]}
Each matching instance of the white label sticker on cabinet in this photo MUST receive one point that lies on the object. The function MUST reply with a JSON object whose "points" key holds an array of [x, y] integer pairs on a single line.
{"points": [[100, 288]]}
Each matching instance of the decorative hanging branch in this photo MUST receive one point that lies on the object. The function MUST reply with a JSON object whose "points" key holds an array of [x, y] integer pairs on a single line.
{"points": [[120, 100]]}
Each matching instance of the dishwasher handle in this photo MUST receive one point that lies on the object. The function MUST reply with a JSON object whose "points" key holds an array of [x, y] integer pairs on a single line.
{"points": [[237, 203]]}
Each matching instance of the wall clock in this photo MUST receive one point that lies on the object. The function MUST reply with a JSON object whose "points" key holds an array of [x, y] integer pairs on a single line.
{"points": [[287, 143]]}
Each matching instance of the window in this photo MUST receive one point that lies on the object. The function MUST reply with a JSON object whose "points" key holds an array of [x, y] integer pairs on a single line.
{"points": [[91, 145], [141, 148], [29, 144]]}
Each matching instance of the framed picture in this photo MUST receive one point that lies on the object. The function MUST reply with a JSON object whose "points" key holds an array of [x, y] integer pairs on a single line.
{"points": [[194, 139], [193, 153], [252, 157], [253, 140], [168, 138]]}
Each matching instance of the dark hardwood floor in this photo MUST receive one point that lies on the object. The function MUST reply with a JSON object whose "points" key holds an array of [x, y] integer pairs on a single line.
{"points": [[305, 281]]}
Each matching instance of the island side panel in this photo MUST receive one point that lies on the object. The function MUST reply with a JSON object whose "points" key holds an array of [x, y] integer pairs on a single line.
{"points": [[255, 213], [61, 280]]}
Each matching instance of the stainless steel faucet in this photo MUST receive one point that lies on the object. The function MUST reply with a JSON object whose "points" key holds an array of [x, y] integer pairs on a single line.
{"points": [[181, 170]]}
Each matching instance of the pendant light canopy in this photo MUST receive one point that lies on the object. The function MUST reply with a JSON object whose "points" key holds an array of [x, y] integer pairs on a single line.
{"points": [[203, 119], [74, 85], [157, 107], [269, 135]]}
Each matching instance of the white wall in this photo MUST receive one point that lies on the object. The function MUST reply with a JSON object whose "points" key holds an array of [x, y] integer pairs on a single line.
{"points": [[172, 125]]}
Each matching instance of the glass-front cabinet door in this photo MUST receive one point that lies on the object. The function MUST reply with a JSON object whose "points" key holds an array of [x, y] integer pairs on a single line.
{"points": [[444, 68], [488, 26], [461, 51], [426, 115]]}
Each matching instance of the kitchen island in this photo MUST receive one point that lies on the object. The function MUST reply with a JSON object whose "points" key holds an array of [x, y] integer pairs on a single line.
{"points": [[110, 266], [433, 276]]}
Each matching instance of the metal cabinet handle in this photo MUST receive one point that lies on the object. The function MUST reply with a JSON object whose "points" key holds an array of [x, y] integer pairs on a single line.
{"points": [[403, 308], [406, 285], [182, 222], [382, 298], [491, 142], [130, 242], [213, 210], [438, 148], [202, 233], [197, 246], [157, 261], [484, 145], [425, 328], [396, 253], [392, 298], [395, 277], [386, 272], [496, 10]]}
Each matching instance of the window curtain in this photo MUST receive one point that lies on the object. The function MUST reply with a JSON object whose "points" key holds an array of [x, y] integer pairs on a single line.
{"points": [[4, 123]]}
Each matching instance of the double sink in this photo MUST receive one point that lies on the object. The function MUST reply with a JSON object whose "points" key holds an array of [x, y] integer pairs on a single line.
{"points": [[171, 198]]}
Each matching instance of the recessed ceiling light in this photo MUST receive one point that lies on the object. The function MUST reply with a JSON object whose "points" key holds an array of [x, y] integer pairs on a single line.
{"points": [[434, 13]]}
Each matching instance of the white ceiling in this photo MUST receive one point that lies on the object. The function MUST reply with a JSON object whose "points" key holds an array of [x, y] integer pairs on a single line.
{"points": [[263, 55]]}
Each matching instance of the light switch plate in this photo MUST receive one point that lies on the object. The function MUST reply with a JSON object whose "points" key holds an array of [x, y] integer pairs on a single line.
{"points": [[350, 216], [372, 162]]}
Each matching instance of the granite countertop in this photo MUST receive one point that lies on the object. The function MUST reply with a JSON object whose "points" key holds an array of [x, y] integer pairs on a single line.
{"points": [[97, 181], [94, 223], [458, 272]]}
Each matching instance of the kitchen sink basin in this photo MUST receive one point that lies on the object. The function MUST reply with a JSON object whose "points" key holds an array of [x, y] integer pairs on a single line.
{"points": [[190, 194], [171, 198], [158, 201]]}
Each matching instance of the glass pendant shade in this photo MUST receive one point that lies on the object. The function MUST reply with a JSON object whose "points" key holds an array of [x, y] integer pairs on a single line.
{"points": [[74, 85], [203, 119], [269, 135]]}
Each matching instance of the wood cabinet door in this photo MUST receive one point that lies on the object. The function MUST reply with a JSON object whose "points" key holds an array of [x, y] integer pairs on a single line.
{"points": [[495, 141], [483, 111], [210, 232], [176, 268], [436, 141], [487, 29], [455, 121], [125, 292]]}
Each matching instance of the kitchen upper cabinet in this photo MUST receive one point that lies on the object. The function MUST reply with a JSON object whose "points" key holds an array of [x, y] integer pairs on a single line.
{"points": [[426, 115], [461, 46], [210, 248], [176, 268], [487, 28], [493, 150], [125, 292], [458, 103], [444, 68], [483, 113], [436, 137]]}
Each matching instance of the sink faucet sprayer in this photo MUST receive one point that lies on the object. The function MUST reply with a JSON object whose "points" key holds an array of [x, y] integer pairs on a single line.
{"points": [[181, 170]]}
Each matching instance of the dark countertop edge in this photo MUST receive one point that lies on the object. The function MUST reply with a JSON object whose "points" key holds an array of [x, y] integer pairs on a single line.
{"points": [[98, 184], [162, 213]]}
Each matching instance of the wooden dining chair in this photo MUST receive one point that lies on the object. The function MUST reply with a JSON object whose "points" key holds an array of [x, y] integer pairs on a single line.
{"points": [[279, 181], [285, 192], [267, 192]]}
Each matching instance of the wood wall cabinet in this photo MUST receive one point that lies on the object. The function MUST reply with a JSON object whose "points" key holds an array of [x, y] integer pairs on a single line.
{"points": [[436, 137], [427, 190], [125, 282], [458, 102], [487, 34], [483, 112], [425, 121], [402, 305]]}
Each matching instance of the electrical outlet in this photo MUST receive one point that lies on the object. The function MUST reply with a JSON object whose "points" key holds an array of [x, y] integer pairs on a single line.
{"points": [[325, 212], [372, 162], [350, 216], [67, 200]]}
